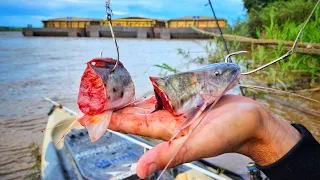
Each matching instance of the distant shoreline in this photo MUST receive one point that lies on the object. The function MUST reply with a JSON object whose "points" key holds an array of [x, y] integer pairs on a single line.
{"points": [[10, 29]]}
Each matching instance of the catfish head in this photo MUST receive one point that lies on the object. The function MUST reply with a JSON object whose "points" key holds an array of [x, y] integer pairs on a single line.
{"points": [[178, 93], [100, 89]]}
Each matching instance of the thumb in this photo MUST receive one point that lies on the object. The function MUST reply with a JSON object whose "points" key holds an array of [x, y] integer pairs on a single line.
{"points": [[158, 157]]}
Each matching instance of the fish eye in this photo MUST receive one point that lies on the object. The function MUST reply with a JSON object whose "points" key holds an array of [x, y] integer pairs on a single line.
{"points": [[216, 73], [93, 63]]}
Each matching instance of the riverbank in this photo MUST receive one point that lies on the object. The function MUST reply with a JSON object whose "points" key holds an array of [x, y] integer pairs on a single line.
{"points": [[120, 32], [9, 29]]}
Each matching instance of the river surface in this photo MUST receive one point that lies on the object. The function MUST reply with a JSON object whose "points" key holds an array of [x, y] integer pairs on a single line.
{"points": [[36, 67]]}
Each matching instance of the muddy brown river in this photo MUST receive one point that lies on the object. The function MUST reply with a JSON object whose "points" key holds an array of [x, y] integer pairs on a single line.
{"points": [[32, 68]]}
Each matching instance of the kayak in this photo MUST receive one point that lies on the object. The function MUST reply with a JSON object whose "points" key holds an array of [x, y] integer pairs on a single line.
{"points": [[114, 156]]}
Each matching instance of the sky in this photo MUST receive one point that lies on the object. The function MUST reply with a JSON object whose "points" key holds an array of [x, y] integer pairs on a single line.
{"points": [[20, 13]]}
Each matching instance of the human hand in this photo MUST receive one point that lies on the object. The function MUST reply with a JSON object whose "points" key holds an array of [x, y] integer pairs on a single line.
{"points": [[236, 124]]}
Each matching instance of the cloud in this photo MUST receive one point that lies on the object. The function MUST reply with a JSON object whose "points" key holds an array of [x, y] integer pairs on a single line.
{"points": [[119, 13], [34, 10], [41, 18]]}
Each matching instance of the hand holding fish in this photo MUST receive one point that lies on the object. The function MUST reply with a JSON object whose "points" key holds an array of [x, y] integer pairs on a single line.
{"points": [[180, 111], [237, 124]]}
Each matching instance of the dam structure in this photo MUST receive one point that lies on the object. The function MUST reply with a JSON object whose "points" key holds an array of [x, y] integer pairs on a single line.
{"points": [[127, 27]]}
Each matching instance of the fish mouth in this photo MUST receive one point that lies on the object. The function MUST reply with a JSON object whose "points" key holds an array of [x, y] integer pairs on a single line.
{"points": [[236, 73], [163, 101], [235, 78]]}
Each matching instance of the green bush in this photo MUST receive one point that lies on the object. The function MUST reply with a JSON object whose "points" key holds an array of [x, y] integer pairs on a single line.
{"points": [[280, 20]]}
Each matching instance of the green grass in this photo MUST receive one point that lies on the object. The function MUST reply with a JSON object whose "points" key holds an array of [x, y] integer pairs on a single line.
{"points": [[35, 172], [165, 69], [296, 66], [6, 28]]}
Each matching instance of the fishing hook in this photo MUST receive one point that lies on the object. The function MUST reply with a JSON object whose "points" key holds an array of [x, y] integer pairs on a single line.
{"points": [[101, 52], [292, 48], [109, 14], [232, 54], [228, 57]]}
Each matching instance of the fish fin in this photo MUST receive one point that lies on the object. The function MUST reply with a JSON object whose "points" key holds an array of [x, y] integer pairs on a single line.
{"points": [[82, 119], [208, 98], [192, 115], [193, 129], [98, 124], [66, 131]]}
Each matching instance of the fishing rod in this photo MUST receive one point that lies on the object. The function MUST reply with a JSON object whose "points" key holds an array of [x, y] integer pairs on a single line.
{"points": [[228, 58], [221, 34], [145, 145]]}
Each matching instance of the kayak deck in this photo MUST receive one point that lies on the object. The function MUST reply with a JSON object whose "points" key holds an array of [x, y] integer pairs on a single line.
{"points": [[111, 157]]}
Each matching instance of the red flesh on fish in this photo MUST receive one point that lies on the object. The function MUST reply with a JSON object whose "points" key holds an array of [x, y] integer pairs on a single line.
{"points": [[101, 91], [161, 96], [92, 97]]}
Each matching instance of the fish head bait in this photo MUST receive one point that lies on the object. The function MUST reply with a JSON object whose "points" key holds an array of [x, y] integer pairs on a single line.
{"points": [[102, 89]]}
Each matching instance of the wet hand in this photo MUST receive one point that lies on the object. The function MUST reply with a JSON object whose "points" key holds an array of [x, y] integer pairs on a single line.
{"points": [[236, 124]]}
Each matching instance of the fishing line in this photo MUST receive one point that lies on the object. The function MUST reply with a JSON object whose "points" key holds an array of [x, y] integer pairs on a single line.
{"points": [[109, 14], [280, 91], [221, 34], [289, 105], [292, 48], [101, 53], [232, 54], [61, 124]]}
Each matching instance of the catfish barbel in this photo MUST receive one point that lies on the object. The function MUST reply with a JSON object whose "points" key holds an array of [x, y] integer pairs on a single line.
{"points": [[189, 93]]}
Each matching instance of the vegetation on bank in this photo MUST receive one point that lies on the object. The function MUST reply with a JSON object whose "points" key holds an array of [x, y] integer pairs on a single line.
{"points": [[282, 20], [277, 20], [35, 171], [5, 28]]}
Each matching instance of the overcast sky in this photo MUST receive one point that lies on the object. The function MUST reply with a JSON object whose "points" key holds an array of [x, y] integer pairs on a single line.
{"points": [[23, 12]]}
